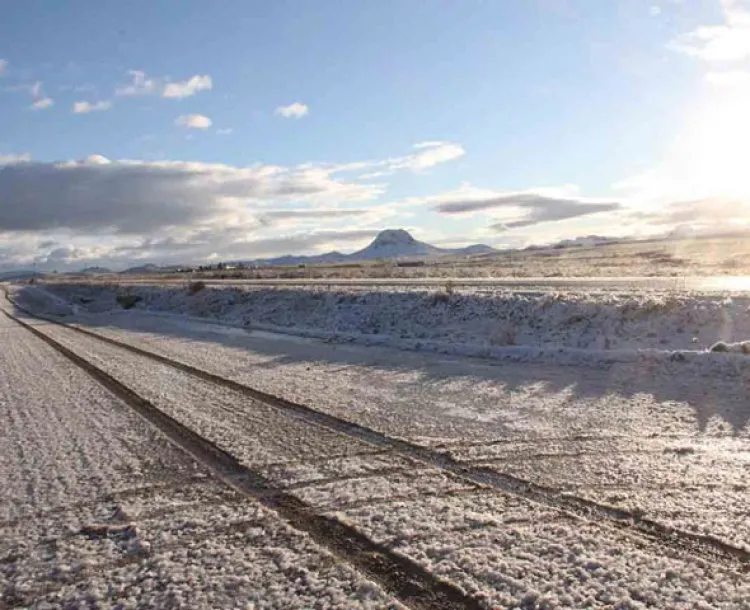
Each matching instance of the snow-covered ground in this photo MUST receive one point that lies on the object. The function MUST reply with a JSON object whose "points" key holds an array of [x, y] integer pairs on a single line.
{"points": [[585, 430], [665, 437], [669, 438], [462, 322], [99, 511]]}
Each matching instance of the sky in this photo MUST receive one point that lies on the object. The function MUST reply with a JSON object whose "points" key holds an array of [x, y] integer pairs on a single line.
{"points": [[183, 132]]}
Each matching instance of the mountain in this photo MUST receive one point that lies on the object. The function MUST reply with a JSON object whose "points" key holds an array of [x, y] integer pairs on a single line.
{"points": [[95, 270], [289, 259], [587, 241], [473, 250], [149, 268], [388, 245], [395, 243]]}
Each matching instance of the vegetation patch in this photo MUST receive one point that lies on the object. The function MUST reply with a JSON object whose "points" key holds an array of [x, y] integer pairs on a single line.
{"points": [[196, 287], [128, 301]]}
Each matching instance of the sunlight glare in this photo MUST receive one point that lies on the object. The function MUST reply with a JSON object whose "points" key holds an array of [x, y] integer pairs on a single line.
{"points": [[714, 147]]}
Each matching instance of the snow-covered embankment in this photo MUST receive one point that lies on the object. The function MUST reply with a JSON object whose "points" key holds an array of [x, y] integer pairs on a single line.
{"points": [[475, 323]]}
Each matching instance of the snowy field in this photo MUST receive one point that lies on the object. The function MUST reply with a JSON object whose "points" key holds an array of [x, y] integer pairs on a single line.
{"points": [[665, 438]]}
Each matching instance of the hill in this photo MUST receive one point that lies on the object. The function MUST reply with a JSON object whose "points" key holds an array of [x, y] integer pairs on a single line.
{"points": [[391, 244]]}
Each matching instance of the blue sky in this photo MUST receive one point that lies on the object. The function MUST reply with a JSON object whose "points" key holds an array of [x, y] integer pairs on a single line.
{"points": [[189, 131]]}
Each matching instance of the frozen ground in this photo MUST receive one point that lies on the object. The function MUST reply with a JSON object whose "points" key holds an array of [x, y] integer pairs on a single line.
{"points": [[501, 323], [667, 438], [664, 437], [99, 511]]}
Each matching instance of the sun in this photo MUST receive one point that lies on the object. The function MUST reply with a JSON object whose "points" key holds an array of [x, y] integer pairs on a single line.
{"points": [[713, 148]]}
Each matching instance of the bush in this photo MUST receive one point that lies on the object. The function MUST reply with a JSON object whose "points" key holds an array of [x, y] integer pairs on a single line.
{"points": [[127, 301], [721, 346], [196, 287], [440, 297]]}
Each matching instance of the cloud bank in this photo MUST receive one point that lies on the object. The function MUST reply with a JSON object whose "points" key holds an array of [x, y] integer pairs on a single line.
{"points": [[118, 212], [132, 197], [525, 209]]}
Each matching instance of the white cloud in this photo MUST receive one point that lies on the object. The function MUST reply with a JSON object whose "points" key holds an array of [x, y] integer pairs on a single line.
{"points": [[8, 159], [429, 154], [193, 121], [43, 103], [729, 78], [97, 211], [517, 209], [144, 85], [86, 107], [117, 213], [3, 66], [293, 111], [190, 87], [140, 85], [96, 194], [727, 42]]}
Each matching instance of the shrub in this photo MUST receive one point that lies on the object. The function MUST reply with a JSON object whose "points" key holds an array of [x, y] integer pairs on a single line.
{"points": [[439, 297], [127, 301], [196, 287]]}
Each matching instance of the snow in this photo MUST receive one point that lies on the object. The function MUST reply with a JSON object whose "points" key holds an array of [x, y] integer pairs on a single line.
{"points": [[559, 327], [664, 436], [98, 510], [38, 299], [517, 555]]}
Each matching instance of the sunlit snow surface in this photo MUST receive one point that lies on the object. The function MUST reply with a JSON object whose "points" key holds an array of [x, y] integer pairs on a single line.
{"points": [[662, 435], [98, 511]]}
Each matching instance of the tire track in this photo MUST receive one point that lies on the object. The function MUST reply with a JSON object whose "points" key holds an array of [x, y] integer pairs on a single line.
{"points": [[405, 579], [701, 545]]}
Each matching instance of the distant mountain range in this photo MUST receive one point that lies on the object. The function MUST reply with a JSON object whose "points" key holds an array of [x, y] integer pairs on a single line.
{"points": [[391, 244], [588, 241], [150, 268], [96, 270]]}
